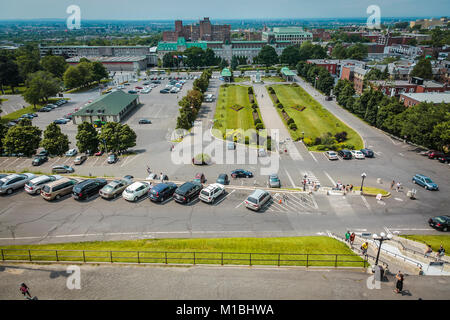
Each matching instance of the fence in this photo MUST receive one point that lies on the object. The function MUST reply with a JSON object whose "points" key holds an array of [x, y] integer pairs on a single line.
{"points": [[170, 257]]}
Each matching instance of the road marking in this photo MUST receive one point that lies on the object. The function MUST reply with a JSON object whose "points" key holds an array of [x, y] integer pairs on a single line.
{"points": [[387, 230], [95, 161], [131, 159], [365, 202], [401, 154], [14, 161], [239, 205], [68, 158], [224, 197], [313, 156], [290, 179], [398, 199], [329, 177], [408, 229]]}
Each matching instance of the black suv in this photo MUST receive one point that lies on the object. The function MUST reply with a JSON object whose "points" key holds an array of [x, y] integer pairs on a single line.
{"points": [[345, 154], [87, 188], [162, 191], [187, 192], [38, 160]]}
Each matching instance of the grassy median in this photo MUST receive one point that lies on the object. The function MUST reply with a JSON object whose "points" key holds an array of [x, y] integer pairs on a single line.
{"points": [[322, 251], [314, 120], [434, 241]]}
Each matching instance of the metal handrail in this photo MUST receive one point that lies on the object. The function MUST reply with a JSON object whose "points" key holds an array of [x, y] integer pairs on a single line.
{"points": [[419, 253], [403, 257]]}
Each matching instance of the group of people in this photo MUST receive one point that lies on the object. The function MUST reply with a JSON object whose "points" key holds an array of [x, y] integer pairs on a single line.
{"points": [[345, 188], [439, 254], [398, 186], [350, 237]]}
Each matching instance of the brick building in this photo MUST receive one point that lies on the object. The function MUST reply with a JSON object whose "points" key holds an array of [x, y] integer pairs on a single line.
{"points": [[203, 31], [411, 99], [330, 65]]}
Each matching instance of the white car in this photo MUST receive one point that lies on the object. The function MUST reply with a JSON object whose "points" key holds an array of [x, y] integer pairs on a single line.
{"points": [[14, 181], [71, 153], [331, 155], [120, 87], [211, 192], [357, 154], [147, 90], [35, 185], [136, 190]]}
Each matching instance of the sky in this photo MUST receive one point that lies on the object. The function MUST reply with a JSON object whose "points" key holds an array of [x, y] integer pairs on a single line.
{"points": [[219, 9]]}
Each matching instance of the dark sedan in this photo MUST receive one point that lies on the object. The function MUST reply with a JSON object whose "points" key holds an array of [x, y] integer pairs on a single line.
{"points": [[444, 158], [112, 158], [345, 154], [38, 160], [367, 153], [241, 173], [440, 223]]}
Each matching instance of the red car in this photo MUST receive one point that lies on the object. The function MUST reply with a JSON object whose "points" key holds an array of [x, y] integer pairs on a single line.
{"points": [[139, 88], [200, 177], [98, 153], [435, 154]]}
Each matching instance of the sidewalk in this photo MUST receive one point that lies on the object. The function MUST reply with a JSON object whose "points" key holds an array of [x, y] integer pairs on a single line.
{"points": [[207, 283]]}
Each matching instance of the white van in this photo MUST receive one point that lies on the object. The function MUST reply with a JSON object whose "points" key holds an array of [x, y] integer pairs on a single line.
{"points": [[209, 97]]}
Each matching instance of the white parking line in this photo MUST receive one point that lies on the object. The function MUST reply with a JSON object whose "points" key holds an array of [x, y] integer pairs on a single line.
{"points": [[68, 159], [329, 177], [4, 161], [239, 205], [23, 163], [313, 156], [290, 179], [14, 161], [132, 158], [365, 202], [224, 197]]}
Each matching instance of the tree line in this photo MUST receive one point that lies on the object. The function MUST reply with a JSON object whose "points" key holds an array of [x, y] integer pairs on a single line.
{"points": [[425, 124], [24, 138]]}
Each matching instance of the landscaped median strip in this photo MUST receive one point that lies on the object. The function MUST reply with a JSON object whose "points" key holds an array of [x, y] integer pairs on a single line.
{"points": [[318, 251]]}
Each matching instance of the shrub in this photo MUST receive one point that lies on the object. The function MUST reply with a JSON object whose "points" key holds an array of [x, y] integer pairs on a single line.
{"points": [[259, 126], [341, 136], [250, 90], [290, 121], [254, 106], [317, 141], [308, 141], [201, 159], [293, 126], [257, 121], [247, 140], [269, 143], [321, 147]]}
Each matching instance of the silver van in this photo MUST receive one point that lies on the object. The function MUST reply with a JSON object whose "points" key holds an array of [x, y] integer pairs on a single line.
{"points": [[257, 199], [35, 185]]}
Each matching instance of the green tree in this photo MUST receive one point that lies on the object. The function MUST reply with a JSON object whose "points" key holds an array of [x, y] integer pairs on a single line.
{"points": [[3, 131], [86, 72], [127, 138], [339, 52], [9, 71], [267, 56], [22, 139], [423, 69], [116, 137], [56, 65], [28, 62], [357, 51], [99, 71], [72, 77], [55, 142], [234, 62], [87, 138], [40, 86], [290, 56], [195, 57]]}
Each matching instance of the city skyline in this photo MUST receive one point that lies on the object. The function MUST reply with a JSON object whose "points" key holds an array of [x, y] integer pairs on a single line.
{"points": [[252, 9]]}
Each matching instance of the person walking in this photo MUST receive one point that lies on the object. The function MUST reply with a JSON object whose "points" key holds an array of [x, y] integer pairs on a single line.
{"points": [[352, 238], [429, 251], [441, 252], [347, 236], [161, 177], [399, 284], [399, 185], [364, 247], [25, 290], [392, 184]]}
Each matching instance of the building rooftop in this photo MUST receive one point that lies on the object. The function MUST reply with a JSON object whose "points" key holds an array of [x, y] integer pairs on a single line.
{"points": [[433, 97], [110, 104], [108, 59], [225, 72], [287, 72]]}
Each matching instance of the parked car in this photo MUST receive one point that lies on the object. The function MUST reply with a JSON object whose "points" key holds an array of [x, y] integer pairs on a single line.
{"points": [[61, 121], [35, 185], [231, 145], [62, 169], [136, 191], [87, 188], [71, 153], [44, 109], [58, 189], [79, 160], [331, 155], [114, 188], [98, 153], [132, 91], [368, 153], [444, 158], [223, 179], [112, 158], [164, 91], [435, 154], [274, 181], [144, 121], [14, 181], [199, 178], [187, 192], [257, 199], [42, 153], [357, 154], [425, 182], [38, 160], [328, 98], [441, 223], [345, 154], [241, 173], [162, 191], [211, 193]]}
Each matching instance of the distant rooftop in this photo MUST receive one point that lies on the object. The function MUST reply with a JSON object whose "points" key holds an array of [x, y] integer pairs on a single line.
{"points": [[433, 97], [108, 59], [110, 104]]}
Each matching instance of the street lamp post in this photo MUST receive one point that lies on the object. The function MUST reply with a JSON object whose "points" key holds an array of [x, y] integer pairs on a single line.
{"points": [[363, 176], [381, 238]]}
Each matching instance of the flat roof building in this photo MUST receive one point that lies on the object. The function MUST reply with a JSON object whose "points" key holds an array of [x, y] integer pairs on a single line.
{"points": [[295, 35], [411, 99], [111, 107], [129, 63]]}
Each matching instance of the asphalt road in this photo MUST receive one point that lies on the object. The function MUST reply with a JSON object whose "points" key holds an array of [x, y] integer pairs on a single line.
{"points": [[49, 282], [24, 218]]}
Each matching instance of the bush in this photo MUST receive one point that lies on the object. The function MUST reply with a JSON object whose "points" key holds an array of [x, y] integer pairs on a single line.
{"points": [[308, 141], [293, 126], [259, 126], [247, 140], [254, 106], [201, 159], [317, 141], [250, 90], [279, 105], [269, 143], [257, 120], [290, 121], [341, 136]]}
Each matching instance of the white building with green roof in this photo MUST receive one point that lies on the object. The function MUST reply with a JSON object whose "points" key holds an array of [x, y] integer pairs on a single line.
{"points": [[111, 107], [295, 35]]}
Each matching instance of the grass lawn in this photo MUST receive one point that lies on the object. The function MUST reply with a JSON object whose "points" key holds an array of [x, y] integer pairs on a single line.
{"points": [[371, 190], [181, 251], [434, 241], [315, 120], [273, 79], [241, 79], [29, 109], [227, 118], [17, 90]]}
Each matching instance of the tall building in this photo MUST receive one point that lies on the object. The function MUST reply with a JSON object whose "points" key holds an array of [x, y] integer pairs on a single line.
{"points": [[295, 35], [203, 31]]}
